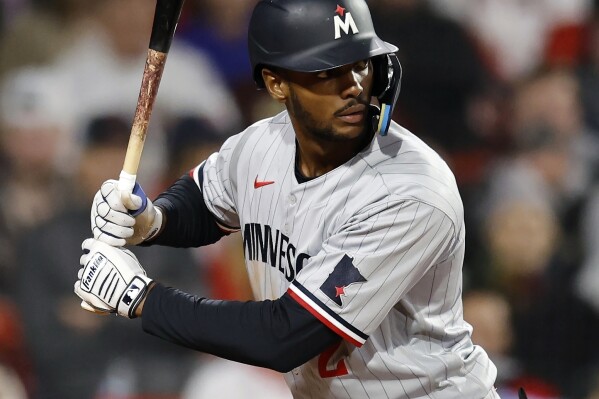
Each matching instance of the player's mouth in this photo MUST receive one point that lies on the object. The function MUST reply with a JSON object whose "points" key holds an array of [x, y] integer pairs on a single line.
{"points": [[353, 114]]}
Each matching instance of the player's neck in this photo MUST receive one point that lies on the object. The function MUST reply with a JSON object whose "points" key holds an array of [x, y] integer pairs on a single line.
{"points": [[316, 157]]}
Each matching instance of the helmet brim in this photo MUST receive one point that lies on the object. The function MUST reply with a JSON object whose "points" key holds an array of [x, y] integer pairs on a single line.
{"points": [[328, 56]]}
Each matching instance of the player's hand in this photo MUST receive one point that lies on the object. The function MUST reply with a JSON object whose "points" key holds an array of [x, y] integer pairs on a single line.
{"points": [[110, 280], [119, 218]]}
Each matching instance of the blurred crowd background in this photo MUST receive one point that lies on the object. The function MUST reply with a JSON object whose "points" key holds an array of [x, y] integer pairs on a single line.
{"points": [[507, 91]]}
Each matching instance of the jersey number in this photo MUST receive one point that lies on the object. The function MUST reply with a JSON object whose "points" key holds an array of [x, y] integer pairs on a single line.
{"points": [[323, 360]]}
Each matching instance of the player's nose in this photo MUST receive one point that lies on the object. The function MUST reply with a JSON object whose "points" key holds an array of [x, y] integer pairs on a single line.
{"points": [[352, 84]]}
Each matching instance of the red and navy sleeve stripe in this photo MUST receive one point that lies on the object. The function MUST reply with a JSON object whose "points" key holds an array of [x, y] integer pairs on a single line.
{"points": [[322, 312]]}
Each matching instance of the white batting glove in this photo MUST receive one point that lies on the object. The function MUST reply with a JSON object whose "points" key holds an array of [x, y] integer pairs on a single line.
{"points": [[119, 217], [111, 280]]}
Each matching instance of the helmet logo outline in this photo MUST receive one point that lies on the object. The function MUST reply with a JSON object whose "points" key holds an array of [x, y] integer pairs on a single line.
{"points": [[344, 25]]}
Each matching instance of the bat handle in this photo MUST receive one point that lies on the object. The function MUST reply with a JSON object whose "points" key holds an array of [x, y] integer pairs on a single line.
{"points": [[127, 183]]}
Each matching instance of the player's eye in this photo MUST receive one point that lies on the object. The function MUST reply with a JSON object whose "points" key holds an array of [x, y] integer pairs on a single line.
{"points": [[361, 65], [324, 74]]}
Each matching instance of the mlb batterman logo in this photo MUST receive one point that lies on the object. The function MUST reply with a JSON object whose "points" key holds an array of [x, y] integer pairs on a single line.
{"points": [[131, 293], [344, 25]]}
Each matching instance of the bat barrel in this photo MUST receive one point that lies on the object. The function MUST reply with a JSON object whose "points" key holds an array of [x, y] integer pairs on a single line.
{"points": [[165, 22]]}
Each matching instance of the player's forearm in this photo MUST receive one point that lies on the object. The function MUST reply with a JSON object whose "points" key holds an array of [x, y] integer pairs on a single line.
{"points": [[278, 335], [187, 222]]}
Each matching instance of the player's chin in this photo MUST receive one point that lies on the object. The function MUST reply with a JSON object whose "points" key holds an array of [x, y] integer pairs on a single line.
{"points": [[349, 131]]}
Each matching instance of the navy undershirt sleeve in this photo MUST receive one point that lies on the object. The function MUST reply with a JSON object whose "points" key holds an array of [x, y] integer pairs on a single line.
{"points": [[189, 223], [278, 335]]}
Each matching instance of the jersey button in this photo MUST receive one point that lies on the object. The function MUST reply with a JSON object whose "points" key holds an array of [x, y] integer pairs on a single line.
{"points": [[292, 199]]}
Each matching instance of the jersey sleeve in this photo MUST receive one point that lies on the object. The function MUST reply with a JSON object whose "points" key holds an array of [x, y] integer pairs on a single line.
{"points": [[365, 268], [216, 178]]}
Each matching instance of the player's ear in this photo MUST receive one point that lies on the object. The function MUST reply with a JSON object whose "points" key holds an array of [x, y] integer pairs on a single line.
{"points": [[276, 84]]}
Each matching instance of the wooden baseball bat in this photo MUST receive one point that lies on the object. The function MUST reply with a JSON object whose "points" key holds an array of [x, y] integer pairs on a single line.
{"points": [[166, 18]]}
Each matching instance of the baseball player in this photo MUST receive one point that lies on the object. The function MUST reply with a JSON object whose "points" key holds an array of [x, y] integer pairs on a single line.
{"points": [[352, 228]]}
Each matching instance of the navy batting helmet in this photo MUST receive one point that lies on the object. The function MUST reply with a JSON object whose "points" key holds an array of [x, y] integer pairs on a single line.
{"points": [[316, 35]]}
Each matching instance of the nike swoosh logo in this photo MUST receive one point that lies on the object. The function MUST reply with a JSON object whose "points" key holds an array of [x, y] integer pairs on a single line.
{"points": [[258, 184]]}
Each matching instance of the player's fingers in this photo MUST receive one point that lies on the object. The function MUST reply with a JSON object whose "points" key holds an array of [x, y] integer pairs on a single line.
{"points": [[87, 244], [108, 204], [89, 308], [85, 306], [94, 207], [111, 195], [131, 201], [77, 290], [113, 229], [104, 211], [108, 239], [83, 260], [92, 301]]}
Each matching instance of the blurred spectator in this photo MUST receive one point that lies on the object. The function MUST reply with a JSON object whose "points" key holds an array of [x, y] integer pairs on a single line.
{"points": [[516, 34], [521, 235], [490, 315], [552, 144], [533, 265], [558, 152], [527, 265], [537, 250], [190, 140], [76, 354], [35, 30], [533, 220], [219, 29], [102, 73], [34, 125], [435, 95]]}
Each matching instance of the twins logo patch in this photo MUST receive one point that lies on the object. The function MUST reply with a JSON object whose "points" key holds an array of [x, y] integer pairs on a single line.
{"points": [[343, 275]]}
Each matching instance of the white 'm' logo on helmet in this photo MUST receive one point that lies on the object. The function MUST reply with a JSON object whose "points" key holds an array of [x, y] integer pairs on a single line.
{"points": [[344, 25]]}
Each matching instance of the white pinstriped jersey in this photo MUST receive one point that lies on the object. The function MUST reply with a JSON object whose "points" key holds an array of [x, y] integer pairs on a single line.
{"points": [[373, 248]]}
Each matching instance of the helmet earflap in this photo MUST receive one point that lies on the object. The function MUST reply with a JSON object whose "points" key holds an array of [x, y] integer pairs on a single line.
{"points": [[386, 88]]}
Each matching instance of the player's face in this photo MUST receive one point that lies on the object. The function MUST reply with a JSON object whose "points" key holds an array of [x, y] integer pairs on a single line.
{"points": [[332, 105]]}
